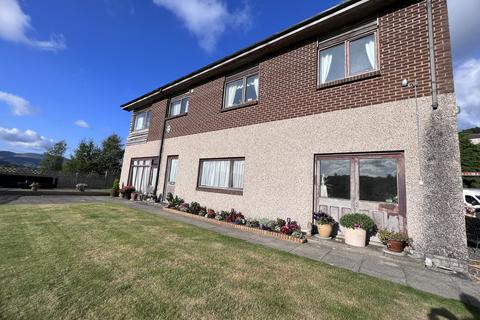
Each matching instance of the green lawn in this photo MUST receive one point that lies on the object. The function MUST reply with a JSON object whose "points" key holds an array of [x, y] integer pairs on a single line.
{"points": [[95, 261]]}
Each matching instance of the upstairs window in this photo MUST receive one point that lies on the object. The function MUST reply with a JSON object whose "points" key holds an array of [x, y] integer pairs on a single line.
{"points": [[141, 121], [178, 106], [349, 58], [241, 89]]}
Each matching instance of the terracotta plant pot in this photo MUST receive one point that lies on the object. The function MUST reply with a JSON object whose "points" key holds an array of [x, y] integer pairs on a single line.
{"points": [[324, 230], [356, 237], [395, 246]]}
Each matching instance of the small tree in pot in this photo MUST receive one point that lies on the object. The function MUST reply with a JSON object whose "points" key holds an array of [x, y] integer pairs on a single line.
{"points": [[324, 224], [356, 227], [115, 188]]}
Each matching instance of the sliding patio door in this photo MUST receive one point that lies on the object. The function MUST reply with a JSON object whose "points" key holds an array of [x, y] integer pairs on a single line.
{"points": [[373, 184]]}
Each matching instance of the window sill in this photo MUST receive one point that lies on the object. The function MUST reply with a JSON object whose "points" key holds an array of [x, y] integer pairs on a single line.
{"points": [[134, 132], [240, 106], [359, 77], [219, 190], [177, 116]]}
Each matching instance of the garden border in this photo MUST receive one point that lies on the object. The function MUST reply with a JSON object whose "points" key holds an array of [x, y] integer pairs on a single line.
{"points": [[238, 226]]}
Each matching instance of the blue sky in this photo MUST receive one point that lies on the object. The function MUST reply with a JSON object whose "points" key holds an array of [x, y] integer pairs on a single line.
{"points": [[66, 66]]}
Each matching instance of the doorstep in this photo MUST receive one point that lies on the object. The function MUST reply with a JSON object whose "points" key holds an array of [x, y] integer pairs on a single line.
{"points": [[369, 260]]}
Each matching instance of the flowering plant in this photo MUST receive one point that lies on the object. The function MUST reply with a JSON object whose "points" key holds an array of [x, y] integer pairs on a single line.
{"points": [[322, 218], [211, 213]]}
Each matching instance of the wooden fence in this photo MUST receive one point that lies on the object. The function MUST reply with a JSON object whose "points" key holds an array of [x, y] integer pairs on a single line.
{"points": [[12, 177]]}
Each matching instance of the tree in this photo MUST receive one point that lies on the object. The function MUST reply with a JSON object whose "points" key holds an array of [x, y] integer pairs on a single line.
{"points": [[53, 157], [470, 159], [111, 154], [85, 159]]}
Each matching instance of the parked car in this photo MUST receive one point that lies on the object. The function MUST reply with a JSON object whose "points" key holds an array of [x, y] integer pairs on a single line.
{"points": [[471, 197]]}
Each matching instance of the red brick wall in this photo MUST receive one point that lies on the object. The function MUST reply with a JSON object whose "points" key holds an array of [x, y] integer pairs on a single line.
{"points": [[288, 80]]}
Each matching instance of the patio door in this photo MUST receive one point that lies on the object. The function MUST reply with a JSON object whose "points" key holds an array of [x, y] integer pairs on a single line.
{"points": [[370, 183], [170, 175]]}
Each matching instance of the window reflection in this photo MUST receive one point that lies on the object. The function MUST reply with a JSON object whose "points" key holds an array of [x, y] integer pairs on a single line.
{"points": [[378, 180], [335, 179]]}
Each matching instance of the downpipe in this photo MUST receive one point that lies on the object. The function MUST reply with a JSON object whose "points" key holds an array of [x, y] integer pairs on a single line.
{"points": [[431, 52]]}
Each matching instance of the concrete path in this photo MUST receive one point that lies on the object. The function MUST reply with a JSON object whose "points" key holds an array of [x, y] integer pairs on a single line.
{"points": [[370, 261]]}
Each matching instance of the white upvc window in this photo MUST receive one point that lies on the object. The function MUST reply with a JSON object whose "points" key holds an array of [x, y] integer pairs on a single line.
{"points": [[141, 120], [222, 173], [241, 89], [179, 106]]}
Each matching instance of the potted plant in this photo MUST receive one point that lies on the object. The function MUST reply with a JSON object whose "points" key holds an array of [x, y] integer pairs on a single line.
{"points": [[395, 241], [356, 227], [127, 192], [134, 196], [324, 224], [34, 186], [115, 188]]}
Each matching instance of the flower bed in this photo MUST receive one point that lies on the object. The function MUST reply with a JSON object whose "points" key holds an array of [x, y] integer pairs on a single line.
{"points": [[279, 228]]}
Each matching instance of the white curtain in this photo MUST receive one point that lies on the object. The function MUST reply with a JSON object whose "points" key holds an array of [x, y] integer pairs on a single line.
{"points": [[253, 81], [370, 49], [145, 177], [325, 63], [139, 120], [231, 90], [215, 174], [175, 108], [238, 171], [173, 171]]}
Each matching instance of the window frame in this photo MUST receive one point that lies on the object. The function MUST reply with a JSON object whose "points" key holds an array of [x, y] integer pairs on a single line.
{"points": [[228, 190], [241, 76], [153, 165], [176, 99], [146, 126], [345, 39]]}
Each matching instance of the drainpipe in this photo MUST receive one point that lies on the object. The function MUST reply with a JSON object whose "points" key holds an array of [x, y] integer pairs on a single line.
{"points": [[431, 51], [161, 148]]}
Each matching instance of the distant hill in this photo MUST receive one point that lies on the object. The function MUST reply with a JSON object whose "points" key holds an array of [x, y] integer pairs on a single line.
{"points": [[31, 160]]}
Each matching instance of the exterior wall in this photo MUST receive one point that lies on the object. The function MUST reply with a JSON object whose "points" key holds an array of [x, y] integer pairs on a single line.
{"points": [[288, 79], [147, 149], [279, 161]]}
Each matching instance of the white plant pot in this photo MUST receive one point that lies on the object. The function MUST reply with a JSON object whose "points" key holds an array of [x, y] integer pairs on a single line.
{"points": [[355, 237]]}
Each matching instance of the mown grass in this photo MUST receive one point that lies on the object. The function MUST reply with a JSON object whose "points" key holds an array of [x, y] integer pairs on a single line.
{"points": [[99, 261]]}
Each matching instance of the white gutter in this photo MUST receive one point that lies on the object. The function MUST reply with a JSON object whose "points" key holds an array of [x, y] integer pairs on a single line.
{"points": [[273, 41]]}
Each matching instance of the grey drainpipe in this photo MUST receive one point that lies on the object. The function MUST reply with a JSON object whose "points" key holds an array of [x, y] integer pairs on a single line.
{"points": [[161, 147], [431, 51]]}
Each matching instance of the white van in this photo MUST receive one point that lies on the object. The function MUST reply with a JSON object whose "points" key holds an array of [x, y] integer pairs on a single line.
{"points": [[472, 198]]}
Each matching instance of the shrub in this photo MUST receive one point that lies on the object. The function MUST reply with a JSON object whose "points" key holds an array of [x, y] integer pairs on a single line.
{"points": [[203, 211], [322, 218], [290, 228], [298, 234], [266, 224], [174, 202], [252, 223], [222, 215], [194, 208], [357, 220], [81, 187], [235, 217], [184, 207], [211, 214], [116, 185]]}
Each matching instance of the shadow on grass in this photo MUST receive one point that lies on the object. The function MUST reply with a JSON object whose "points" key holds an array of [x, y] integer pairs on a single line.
{"points": [[8, 198], [470, 303]]}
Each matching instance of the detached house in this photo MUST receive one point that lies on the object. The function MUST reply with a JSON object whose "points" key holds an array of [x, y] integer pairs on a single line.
{"points": [[350, 110]]}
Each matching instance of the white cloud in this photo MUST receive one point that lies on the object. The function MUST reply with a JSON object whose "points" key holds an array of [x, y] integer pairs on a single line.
{"points": [[464, 25], [467, 85], [25, 139], [81, 123], [206, 19], [14, 24], [18, 105]]}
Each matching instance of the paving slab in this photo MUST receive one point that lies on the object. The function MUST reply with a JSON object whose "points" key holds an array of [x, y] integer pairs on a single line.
{"points": [[383, 269], [351, 261]]}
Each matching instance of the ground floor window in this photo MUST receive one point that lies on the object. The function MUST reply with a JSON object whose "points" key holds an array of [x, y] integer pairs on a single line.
{"points": [[143, 174], [221, 173]]}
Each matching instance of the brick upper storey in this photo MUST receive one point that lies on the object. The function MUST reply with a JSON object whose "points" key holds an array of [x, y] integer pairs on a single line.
{"points": [[288, 78]]}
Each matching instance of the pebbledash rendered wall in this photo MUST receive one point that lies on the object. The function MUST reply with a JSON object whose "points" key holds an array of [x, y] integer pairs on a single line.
{"points": [[294, 120], [279, 165]]}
